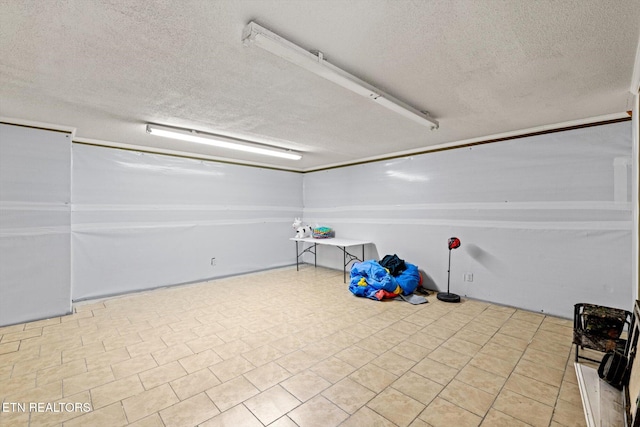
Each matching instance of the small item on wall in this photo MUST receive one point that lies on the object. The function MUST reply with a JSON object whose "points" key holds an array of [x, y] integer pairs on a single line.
{"points": [[454, 243]]}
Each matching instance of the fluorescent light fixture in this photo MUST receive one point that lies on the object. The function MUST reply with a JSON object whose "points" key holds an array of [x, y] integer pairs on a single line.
{"points": [[220, 141], [255, 35]]}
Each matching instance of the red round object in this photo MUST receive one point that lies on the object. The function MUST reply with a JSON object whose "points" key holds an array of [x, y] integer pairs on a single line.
{"points": [[454, 243]]}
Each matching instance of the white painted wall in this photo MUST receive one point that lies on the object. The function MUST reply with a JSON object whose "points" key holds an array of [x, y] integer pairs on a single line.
{"points": [[545, 221], [35, 177], [143, 221]]}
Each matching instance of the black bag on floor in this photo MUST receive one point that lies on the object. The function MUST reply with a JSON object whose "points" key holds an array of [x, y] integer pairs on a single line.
{"points": [[613, 369], [394, 264]]}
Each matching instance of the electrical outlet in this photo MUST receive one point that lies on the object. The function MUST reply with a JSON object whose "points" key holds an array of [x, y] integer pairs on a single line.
{"points": [[468, 277], [213, 262]]}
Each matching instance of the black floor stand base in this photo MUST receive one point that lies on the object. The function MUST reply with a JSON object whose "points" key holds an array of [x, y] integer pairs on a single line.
{"points": [[448, 297]]}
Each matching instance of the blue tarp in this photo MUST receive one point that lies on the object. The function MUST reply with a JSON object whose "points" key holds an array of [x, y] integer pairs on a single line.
{"points": [[369, 277]]}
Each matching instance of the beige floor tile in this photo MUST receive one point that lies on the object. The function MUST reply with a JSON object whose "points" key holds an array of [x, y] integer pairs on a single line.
{"points": [[332, 369], [50, 392], [472, 336], [435, 371], [109, 393], [523, 408], [508, 354], [237, 416], [449, 357], [461, 346], [231, 368], [87, 380], [229, 394], [146, 347], [411, 351], [161, 375], [449, 326], [120, 341], [551, 343], [339, 353], [173, 339], [356, 356], [21, 335], [369, 418], [149, 402], [483, 328], [492, 364], [297, 361], [289, 343], [394, 363], [441, 413], [194, 383], [467, 397], [418, 387], [13, 328], [532, 388], [262, 355], [189, 412], [171, 354], [396, 407], [373, 377], [231, 349], [492, 319], [63, 410], [569, 392], [318, 412], [200, 361], [552, 360], [481, 379], [561, 329], [153, 420], [270, 405], [112, 416], [541, 373], [57, 373], [305, 385], [439, 329], [375, 345], [107, 358], [18, 383], [518, 329], [266, 376], [349, 395], [14, 418], [569, 415], [26, 364], [5, 373], [509, 341], [496, 418], [528, 316], [133, 366], [9, 347]]}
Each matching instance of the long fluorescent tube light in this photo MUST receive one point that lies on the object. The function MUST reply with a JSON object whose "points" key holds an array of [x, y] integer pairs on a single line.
{"points": [[219, 141], [255, 35]]}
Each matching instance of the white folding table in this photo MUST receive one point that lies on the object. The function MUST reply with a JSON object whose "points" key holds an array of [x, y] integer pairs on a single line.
{"points": [[343, 244]]}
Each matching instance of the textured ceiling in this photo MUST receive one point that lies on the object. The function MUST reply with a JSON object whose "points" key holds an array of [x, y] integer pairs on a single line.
{"points": [[480, 67]]}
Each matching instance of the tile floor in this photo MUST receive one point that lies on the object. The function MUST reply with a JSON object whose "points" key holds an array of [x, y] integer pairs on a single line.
{"points": [[285, 348]]}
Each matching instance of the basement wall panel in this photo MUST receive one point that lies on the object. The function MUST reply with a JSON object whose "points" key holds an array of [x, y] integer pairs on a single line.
{"points": [[142, 221], [545, 221], [35, 178]]}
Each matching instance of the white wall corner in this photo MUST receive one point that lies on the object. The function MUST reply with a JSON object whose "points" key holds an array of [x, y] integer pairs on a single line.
{"points": [[635, 77], [635, 189]]}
